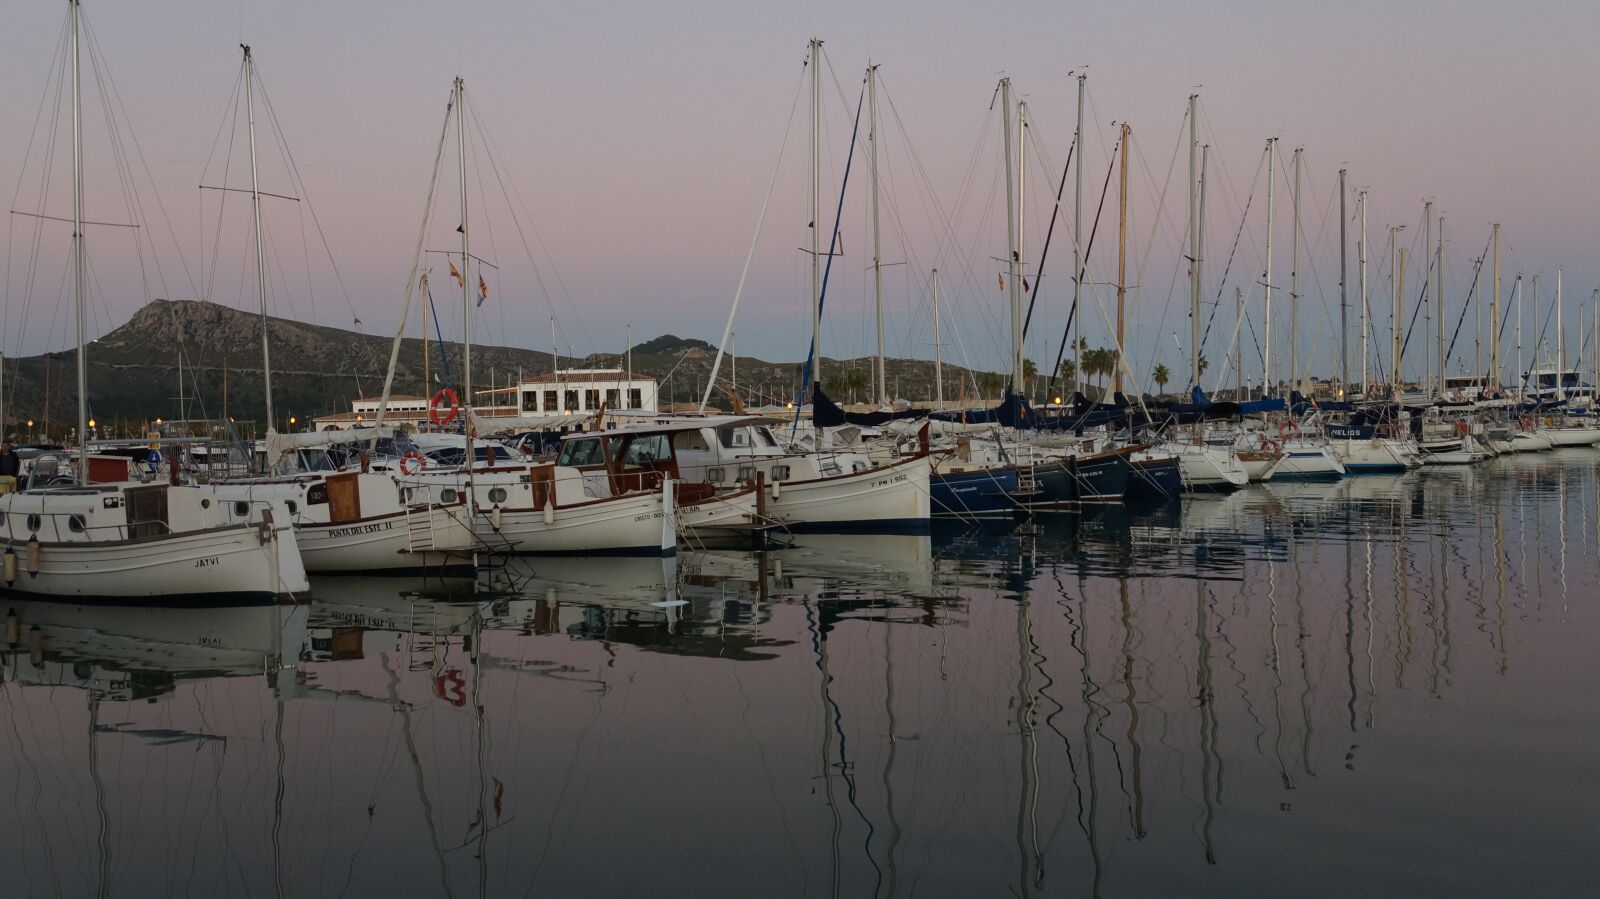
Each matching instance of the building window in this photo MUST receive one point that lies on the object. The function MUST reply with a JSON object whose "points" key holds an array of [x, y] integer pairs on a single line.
{"points": [[635, 398], [550, 401], [613, 398], [591, 400], [530, 401], [571, 401]]}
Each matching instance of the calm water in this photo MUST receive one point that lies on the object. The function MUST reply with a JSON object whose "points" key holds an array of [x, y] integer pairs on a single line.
{"points": [[1384, 686]]}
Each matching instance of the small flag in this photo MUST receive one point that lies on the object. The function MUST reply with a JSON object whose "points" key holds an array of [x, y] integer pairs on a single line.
{"points": [[1002, 281], [456, 275], [1025, 287], [483, 291]]}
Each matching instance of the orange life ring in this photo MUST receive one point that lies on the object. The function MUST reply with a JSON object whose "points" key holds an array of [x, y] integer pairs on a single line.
{"points": [[1273, 446], [407, 467], [442, 396], [1463, 429], [1288, 426]]}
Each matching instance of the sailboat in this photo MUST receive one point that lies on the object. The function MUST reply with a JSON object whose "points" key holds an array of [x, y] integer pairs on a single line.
{"points": [[532, 508], [113, 539], [345, 522]]}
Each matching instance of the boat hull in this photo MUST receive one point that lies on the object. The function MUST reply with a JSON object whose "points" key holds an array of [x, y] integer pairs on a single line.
{"points": [[980, 493], [239, 565], [888, 499]]}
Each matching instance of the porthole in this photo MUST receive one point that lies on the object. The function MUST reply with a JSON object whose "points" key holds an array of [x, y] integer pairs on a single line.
{"points": [[448, 495], [75, 523], [205, 503], [715, 475], [780, 472], [747, 473], [241, 509], [497, 495], [34, 522]]}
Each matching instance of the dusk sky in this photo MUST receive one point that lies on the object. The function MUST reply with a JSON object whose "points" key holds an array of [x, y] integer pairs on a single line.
{"points": [[641, 137]]}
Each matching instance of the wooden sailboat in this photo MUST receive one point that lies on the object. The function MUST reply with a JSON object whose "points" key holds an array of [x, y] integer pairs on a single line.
{"points": [[356, 521], [111, 539]]}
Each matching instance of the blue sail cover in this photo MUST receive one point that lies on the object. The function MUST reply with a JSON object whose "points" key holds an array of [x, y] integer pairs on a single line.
{"points": [[825, 413]]}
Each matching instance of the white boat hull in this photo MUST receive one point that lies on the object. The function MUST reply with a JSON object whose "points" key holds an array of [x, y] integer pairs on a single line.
{"points": [[1571, 436], [891, 497], [1377, 454], [1308, 460], [239, 565], [1208, 467], [403, 541], [629, 524]]}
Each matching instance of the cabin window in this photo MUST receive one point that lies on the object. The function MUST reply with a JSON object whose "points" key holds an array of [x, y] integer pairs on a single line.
{"points": [[765, 437], [34, 522], [75, 524], [830, 468], [580, 452], [241, 509], [613, 398], [591, 400], [317, 494], [780, 472], [635, 398], [747, 473], [715, 475], [294, 508], [689, 440], [648, 449], [571, 401], [734, 438], [497, 494], [859, 465], [448, 495]]}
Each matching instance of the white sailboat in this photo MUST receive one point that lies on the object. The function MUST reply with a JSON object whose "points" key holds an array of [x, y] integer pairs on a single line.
{"points": [[112, 539]]}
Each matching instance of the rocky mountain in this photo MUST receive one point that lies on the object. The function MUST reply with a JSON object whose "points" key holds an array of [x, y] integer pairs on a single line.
{"points": [[134, 371]]}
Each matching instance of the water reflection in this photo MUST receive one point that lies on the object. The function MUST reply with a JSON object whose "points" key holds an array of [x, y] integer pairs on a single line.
{"points": [[1375, 681]]}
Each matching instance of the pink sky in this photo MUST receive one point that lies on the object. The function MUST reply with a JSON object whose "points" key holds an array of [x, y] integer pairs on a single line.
{"points": [[642, 136]]}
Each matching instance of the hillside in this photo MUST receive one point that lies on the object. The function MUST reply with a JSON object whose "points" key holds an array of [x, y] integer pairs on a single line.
{"points": [[133, 371]]}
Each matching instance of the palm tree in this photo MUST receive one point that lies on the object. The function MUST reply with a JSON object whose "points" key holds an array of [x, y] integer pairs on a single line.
{"points": [[1069, 372], [856, 379], [1161, 377], [1030, 373]]}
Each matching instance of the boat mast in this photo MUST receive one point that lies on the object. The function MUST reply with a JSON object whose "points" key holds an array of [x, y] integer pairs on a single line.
{"points": [[1399, 305], [1361, 273], [1238, 348], [1012, 253], [1194, 247], [1561, 342], [1494, 314], [1122, 251], [1199, 263], [1344, 299], [1077, 244], [261, 257], [1438, 302], [938, 359], [1294, 279], [1019, 315], [1427, 296], [816, 214], [1266, 342], [466, 293], [882, 391], [77, 254], [1522, 373]]}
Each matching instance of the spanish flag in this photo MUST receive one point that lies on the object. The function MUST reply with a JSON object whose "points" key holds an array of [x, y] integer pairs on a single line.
{"points": [[483, 291], [1002, 281], [456, 275]]}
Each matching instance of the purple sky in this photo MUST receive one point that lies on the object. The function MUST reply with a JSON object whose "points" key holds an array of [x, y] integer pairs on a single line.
{"points": [[642, 135]]}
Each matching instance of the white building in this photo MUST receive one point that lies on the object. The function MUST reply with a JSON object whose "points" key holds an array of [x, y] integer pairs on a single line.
{"points": [[403, 409], [578, 391]]}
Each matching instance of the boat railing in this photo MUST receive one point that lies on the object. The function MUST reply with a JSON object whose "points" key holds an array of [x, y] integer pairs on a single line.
{"points": [[73, 527]]}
